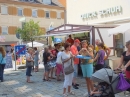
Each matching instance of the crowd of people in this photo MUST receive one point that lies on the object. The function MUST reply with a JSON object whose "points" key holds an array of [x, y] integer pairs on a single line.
{"points": [[56, 59]]}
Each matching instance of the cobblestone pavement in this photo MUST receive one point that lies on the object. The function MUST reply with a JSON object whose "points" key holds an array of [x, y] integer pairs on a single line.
{"points": [[15, 86]]}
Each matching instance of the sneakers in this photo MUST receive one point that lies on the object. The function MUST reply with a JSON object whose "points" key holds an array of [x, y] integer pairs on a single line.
{"points": [[75, 87]]}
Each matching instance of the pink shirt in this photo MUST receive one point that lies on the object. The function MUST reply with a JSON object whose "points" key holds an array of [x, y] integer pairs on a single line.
{"points": [[74, 51]]}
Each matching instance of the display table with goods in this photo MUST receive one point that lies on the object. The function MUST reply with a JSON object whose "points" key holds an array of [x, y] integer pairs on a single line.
{"points": [[83, 57]]}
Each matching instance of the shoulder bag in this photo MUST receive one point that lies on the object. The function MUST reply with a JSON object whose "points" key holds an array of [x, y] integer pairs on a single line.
{"points": [[68, 70], [29, 63]]}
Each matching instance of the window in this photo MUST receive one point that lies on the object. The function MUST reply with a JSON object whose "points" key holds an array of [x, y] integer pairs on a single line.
{"points": [[58, 15], [46, 1], [4, 9], [20, 12], [34, 13], [31, 0], [4, 30], [47, 14]]}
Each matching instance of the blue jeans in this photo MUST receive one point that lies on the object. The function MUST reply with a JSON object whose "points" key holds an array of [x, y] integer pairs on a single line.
{"points": [[2, 66], [75, 70], [28, 71]]}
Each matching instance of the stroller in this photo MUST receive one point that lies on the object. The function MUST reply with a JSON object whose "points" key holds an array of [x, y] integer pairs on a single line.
{"points": [[107, 80]]}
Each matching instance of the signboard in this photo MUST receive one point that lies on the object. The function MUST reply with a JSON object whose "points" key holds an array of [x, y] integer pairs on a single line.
{"points": [[20, 49], [8, 61], [103, 12], [57, 40]]}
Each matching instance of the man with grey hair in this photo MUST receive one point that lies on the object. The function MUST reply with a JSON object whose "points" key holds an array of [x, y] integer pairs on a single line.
{"points": [[106, 49]]}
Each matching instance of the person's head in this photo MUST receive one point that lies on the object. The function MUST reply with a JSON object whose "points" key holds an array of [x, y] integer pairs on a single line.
{"points": [[76, 42], [62, 49], [46, 49], [67, 46], [101, 45], [57, 46], [49, 47], [35, 48], [128, 45], [84, 44], [2, 51], [70, 36], [30, 50], [97, 41]]}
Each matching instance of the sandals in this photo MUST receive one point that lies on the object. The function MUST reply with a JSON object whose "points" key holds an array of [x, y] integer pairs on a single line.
{"points": [[71, 93], [29, 81], [46, 80], [65, 95]]}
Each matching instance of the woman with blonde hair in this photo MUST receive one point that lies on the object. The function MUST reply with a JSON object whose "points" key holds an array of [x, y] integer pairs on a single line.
{"points": [[2, 63], [87, 65], [29, 63]]}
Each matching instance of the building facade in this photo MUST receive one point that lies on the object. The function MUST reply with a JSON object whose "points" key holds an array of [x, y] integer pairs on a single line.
{"points": [[46, 12], [98, 11]]}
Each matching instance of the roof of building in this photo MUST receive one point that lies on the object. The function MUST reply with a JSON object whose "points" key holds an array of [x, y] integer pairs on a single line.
{"points": [[53, 2]]}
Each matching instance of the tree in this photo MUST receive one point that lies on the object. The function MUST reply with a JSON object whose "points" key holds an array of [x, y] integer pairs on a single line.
{"points": [[29, 30]]}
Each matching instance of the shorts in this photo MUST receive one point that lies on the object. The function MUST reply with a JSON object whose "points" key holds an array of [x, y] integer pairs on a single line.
{"points": [[87, 70], [59, 69], [75, 70], [36, 63], [127, 74], [46, 67], [53, 63]]}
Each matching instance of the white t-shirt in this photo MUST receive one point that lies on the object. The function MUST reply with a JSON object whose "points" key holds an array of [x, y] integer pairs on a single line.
{"points": [[58, 60], [65, 57]]}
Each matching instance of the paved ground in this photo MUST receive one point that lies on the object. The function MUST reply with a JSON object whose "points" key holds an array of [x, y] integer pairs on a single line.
{"points": [[15, 86]]}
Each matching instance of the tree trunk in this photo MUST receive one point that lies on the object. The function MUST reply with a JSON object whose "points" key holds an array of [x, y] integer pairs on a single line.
{"points": [[32, 44]]}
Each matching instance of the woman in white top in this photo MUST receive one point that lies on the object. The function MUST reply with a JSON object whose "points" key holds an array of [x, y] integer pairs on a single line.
{"points": [[67, 57], [29, 58]]}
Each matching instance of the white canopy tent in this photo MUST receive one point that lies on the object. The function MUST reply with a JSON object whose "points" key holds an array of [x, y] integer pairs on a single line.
{"points": [[35, 44], [120, 29], [124, 29]]}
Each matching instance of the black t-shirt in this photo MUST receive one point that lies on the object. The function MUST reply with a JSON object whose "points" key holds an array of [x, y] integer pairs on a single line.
{"points": [[126, 59], [45, 57]]}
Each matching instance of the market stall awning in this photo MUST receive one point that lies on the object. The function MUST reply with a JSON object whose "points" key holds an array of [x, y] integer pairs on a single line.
{"points": [[35, 44], [69, 29], [120, 29]]}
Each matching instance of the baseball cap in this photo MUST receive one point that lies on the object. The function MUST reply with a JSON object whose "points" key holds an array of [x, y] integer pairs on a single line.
{"points": [[76, 40]]}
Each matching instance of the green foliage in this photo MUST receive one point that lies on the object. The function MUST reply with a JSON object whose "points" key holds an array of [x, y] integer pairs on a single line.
{"points": [[29, 30]]}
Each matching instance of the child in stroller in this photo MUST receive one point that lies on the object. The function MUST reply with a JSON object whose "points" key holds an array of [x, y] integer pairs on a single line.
{"points": [[101, 90]]}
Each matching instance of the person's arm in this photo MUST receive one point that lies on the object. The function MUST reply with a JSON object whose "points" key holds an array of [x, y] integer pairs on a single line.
{"points": [[90, 53], [96, 57], [121, 62], [128, 64], [108, 51]]}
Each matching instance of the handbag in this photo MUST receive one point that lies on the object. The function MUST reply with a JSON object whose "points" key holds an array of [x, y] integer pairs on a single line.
{"points": [[29, 63], [69, 69], [122, 84]]}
